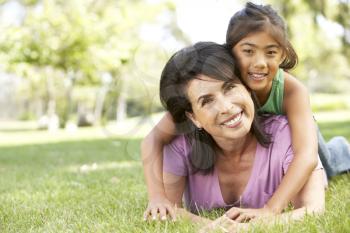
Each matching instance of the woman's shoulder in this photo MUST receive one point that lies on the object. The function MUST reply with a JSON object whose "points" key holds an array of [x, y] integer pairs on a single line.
{"points": [[276, 125], [179, 144]]}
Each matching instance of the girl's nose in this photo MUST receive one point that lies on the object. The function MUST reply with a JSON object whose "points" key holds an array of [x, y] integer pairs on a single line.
{"points": [[260, 61]]}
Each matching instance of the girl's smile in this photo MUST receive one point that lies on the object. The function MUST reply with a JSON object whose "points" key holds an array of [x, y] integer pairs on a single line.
{"points": [[259, 57]]}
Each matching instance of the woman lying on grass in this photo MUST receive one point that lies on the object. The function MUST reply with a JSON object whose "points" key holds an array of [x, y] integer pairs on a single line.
{"points": [[227, 157]]}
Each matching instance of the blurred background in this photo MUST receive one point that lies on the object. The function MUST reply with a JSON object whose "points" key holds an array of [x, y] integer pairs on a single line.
{"points": [[69, 64]]}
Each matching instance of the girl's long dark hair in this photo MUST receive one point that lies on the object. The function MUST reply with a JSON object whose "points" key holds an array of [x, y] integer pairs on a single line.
{"points": [[256, 18]]}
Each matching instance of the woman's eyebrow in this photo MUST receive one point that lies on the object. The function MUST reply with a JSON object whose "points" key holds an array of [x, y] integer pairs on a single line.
{"points": [[227, 84], [202, 97]]}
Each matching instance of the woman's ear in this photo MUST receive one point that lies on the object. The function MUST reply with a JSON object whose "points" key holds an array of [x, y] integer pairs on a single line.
{"points": [[192, 117]]}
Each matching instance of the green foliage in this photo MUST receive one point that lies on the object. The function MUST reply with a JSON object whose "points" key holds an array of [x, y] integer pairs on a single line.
{"points": [[323, 60], [330, 102], [81, 39]]}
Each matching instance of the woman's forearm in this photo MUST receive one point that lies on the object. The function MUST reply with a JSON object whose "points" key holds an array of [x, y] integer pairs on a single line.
{"points": [[192, 217]]}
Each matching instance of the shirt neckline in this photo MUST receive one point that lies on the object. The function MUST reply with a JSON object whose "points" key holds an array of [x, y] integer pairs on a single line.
{"points": [[248, 186]]}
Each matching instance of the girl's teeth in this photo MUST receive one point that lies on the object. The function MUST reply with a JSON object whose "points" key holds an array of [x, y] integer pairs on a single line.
{"points": [[257, 76]]}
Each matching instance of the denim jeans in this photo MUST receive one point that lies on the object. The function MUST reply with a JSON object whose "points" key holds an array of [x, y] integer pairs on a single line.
{"points": [[334, 155]]}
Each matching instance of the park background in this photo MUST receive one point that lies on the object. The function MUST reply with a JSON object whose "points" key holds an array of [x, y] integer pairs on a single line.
{"points": [[79, 90]]}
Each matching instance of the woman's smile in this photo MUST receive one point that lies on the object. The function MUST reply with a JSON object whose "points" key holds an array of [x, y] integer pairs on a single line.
{"points": [[233, 121], [223, 110]]}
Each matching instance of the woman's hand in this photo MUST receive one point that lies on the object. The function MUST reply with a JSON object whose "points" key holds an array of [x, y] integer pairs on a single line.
{"points": [[158, 208], [245, 215], [223, 224]]}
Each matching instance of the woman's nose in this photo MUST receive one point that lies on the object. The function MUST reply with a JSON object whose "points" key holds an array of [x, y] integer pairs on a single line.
{"points": [[225, 105]]}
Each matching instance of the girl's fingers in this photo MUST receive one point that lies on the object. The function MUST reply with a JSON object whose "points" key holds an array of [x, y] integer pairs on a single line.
{"points": [[154, 214], [171, 212], [162, 213], [146, 214]]}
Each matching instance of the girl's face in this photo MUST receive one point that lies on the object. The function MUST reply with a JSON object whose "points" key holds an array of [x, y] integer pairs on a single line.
{"points": [[259, 57], [224, 110]]}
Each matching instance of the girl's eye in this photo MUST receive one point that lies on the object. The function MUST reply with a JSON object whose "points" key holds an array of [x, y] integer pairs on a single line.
{"points": [[271, 52]]}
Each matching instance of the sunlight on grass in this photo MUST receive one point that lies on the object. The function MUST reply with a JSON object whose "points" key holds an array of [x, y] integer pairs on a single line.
{"points": [[92, 181], [85, 168]]}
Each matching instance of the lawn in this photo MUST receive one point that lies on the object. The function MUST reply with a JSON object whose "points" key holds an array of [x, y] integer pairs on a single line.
{"points": [[92, 181]]}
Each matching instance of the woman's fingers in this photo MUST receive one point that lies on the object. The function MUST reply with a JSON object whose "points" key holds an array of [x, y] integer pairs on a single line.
{"points": [[243, 218], [233, 213]]}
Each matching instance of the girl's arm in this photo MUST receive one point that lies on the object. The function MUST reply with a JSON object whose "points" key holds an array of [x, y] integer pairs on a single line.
{"points": [[304, 142], [297, 107], [152, 159], [174, 188], [310, 200]]}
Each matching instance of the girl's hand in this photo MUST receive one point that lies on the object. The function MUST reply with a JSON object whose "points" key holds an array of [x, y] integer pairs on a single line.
{"points": [[158, 208], [245, 215]]}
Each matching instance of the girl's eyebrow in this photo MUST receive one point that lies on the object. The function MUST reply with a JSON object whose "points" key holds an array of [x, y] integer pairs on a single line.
{"points": [[272, 46], [255, 46]]}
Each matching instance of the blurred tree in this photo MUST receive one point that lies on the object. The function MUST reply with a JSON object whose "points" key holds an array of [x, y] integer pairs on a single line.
{"points": [[82, 39], [323, 55]]}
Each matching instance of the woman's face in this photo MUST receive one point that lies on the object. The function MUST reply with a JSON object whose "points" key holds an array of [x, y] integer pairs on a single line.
{"points": [[224, 110], [259, 57]]}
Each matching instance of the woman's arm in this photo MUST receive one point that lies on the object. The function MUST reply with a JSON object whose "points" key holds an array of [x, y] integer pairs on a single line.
{"points": [[296, 105], [152, 159]]}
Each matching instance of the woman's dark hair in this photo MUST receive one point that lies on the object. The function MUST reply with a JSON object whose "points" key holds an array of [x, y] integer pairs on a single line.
{"points": [[203, 58], [256, 18]]}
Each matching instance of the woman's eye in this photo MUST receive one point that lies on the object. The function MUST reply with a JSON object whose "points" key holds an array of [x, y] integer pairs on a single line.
{"points": [[248, 51], [206, 101], [229, 87]]}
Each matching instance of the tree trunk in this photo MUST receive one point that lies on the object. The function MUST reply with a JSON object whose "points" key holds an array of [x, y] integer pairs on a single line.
{"points": [[121, 104], [100, 99]]}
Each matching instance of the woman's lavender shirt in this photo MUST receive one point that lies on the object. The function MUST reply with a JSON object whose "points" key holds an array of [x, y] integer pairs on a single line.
{"points": [[270, 165]]}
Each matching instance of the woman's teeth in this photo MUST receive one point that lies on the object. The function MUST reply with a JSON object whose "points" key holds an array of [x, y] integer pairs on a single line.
{"points": [[234, 120]]}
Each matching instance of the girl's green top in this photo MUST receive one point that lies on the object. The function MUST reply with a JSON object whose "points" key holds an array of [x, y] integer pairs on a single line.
{"points": [[275, 101]]}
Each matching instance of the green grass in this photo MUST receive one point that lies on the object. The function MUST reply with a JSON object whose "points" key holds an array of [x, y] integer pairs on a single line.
{"points": [[88, 182]]}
